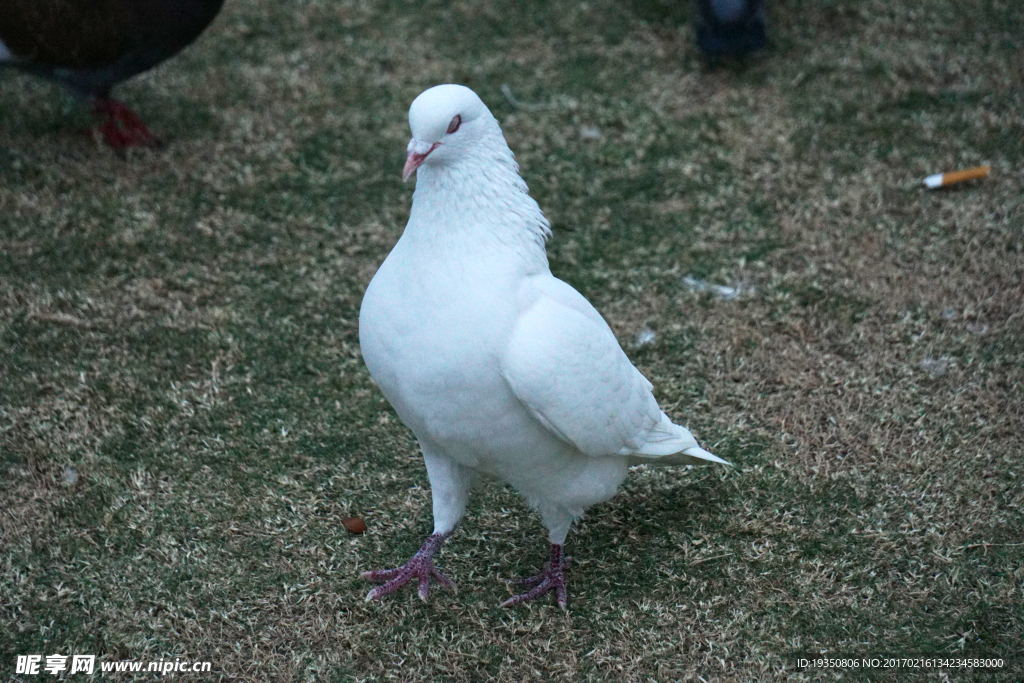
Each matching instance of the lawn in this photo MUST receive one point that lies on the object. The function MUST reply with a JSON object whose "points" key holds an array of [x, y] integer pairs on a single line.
{"points": [[185, 417]]}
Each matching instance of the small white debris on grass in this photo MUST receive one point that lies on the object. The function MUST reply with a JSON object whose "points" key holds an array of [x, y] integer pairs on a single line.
{"points": [[645, 336], [698, 285], [70, 476], [559, 102], [936, 367], [590, 132]]}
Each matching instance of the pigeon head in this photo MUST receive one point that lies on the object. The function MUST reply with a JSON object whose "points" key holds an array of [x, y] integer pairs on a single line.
{"points": [[447, 121]]}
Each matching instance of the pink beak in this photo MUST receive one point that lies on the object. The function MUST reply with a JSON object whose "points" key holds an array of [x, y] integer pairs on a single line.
{"points": [[417, 154]]}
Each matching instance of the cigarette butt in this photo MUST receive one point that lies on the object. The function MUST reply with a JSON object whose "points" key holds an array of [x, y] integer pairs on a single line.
{"points": [[943, 179]]}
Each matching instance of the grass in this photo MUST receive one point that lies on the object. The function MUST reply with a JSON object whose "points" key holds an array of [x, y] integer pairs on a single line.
{"points": [[185, 417]]}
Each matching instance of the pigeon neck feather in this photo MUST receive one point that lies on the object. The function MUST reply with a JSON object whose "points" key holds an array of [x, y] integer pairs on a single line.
{"points": [[479, 199]]}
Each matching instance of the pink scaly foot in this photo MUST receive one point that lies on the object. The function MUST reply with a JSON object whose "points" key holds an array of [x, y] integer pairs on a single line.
{"points": [[421, 565], [121, 126], [552, 578]]}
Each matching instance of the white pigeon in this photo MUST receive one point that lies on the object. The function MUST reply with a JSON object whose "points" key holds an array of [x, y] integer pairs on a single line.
{"points": [[498, 367]]}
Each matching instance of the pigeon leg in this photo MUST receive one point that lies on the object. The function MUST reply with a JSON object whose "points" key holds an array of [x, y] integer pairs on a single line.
{"points": [[551, 579], [121, 126], [421, 565]]}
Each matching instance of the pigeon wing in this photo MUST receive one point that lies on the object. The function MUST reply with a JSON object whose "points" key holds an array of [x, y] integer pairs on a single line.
{"points": [[565, 365]]}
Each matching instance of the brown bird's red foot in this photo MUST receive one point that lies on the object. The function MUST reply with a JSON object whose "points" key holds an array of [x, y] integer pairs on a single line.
{"points": [[551, 579], [90, 46], [421, 565], [122, 127]]}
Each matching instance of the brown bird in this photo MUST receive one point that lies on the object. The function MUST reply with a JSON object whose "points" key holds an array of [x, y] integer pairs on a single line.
{"points": [[89, 46]]}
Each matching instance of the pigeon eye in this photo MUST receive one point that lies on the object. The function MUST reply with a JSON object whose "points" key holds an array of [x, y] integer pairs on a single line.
{"points": [[454, 125]]}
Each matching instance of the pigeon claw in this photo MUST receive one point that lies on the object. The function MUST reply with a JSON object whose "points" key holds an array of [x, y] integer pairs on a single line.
{"points": [[537, 579], [420, 565], [393, 579], [551, 579]]}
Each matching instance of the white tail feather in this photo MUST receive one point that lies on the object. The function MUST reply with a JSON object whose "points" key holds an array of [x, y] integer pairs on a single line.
{"points": [[671, 444]]}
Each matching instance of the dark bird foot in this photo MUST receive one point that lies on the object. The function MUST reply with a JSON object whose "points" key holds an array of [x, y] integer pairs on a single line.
{"points": [[121, 126], [732, 41], [551, 579], [421, 565], [730, 28]]}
